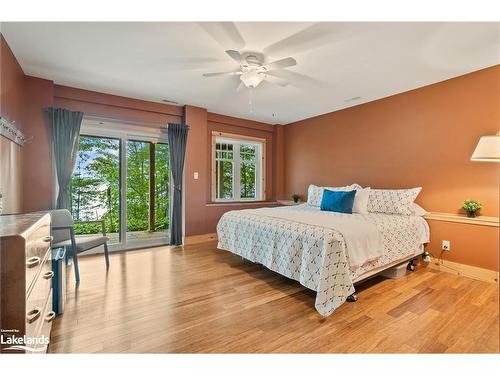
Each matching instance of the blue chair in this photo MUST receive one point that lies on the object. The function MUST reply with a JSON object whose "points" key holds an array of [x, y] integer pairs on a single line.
{"points": [[63, 235]]}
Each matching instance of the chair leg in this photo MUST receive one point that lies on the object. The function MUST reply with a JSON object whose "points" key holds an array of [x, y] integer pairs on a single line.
{"points": [[106, 254], [77, 269], [67, 257]]}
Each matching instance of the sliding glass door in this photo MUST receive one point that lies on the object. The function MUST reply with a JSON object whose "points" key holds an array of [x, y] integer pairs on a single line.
{"points": [[126, 183], [95, 187], [148, 177]]}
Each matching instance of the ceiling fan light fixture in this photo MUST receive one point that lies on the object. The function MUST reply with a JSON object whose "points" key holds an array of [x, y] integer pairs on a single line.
{"points": [[252, 79]]}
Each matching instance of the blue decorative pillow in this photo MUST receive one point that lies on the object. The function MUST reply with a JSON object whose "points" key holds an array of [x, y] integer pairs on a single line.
{"points": [[338, 201]]}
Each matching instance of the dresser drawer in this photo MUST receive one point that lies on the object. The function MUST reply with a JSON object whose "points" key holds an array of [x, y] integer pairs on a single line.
{"points": [[37, 298], [37, 244], [43, 327]]}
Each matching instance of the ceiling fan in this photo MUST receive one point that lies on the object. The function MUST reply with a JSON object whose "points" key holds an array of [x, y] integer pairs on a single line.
{"points": [[253, 70]]}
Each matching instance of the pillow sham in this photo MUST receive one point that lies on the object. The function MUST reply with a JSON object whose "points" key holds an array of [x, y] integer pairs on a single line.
{"points": [[360, 205], [338, 201], [392, 201], [418, 210], [315, 193]]}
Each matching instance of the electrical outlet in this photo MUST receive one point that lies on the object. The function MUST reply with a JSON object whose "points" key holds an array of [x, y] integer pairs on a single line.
{"points": [[446, 246]]}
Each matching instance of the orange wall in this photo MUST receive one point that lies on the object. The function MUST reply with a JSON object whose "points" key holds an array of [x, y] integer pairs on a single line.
{"points": [[279, 162], [474, 245], [195, 199], [423, 137], [38, 176], [11, 108]]}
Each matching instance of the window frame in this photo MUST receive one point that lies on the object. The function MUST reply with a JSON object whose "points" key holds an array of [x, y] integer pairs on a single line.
{"points": [[260, 172]]}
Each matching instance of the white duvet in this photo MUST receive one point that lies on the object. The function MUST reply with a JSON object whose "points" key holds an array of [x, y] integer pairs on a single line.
{"points": [[362, 238]]}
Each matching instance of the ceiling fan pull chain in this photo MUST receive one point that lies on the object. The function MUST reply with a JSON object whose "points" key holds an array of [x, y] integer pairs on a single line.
{"points": [[250, 99]]}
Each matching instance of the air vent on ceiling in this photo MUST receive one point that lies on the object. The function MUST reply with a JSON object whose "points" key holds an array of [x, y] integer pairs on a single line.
{"points": [[169, 101], [353, 99]]}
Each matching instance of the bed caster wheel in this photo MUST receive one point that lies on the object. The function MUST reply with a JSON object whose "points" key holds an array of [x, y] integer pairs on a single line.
{"points": [[411, 266], [352, 298]]}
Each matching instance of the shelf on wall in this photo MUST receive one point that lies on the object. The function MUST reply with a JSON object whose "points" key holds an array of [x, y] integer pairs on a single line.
{"points": [[489, 221]]}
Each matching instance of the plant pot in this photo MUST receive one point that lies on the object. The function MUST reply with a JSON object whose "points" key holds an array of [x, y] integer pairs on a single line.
{"points": [[295, 200], [471, 213]]}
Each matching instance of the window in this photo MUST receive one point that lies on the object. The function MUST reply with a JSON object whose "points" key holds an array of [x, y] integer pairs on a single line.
{"points": [[237, 168]]}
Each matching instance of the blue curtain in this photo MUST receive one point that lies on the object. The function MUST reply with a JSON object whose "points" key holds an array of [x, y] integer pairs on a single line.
{"points": [[177, 139], [65, 126]]}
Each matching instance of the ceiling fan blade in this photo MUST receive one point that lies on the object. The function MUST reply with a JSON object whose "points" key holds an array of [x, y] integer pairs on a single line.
{"points": [[311, 37], [240, 87], [221, 74], [277, 80], [280, 64], [224, 33], [295, 79], [236, 56]]}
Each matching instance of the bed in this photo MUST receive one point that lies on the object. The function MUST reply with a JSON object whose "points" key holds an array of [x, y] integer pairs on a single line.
{"points": [[327, 252]]}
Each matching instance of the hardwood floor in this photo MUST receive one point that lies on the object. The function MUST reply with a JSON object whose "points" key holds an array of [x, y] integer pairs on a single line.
{"points": [[200, 299]]}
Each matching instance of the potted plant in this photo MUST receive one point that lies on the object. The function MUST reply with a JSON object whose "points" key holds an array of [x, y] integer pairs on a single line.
{"points": [[471, 207], [1, 205], [296, 198]]}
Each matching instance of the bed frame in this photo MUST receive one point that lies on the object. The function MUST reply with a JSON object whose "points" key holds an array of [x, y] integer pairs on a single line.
{"points": [[377, 271]]}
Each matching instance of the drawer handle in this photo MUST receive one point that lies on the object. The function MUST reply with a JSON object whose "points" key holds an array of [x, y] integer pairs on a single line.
{"points": [[47, 238], [33, 315], [50, 316], [33, 262], [48, 275]]}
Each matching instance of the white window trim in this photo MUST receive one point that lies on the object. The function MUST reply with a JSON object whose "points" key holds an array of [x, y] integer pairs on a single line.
{"points": [[237, 140]]}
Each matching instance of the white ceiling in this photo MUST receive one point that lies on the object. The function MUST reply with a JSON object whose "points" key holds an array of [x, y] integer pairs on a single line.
{"points": [[155, 61]]}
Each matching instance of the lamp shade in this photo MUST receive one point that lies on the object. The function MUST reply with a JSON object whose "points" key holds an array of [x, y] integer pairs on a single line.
{"points": [[487, 149]]}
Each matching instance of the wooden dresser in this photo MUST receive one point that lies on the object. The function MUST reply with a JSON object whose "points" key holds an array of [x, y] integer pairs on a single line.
{"points": [[25, 282]]}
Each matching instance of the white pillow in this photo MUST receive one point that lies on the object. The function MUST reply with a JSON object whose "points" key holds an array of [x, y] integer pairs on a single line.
{"points": [[315, 193], [360, 205], [396, 201], [417, 210]]}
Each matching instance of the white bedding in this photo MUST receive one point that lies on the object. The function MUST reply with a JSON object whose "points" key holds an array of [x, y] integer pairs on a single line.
{"points": [[362, 238], [303, 244]]}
